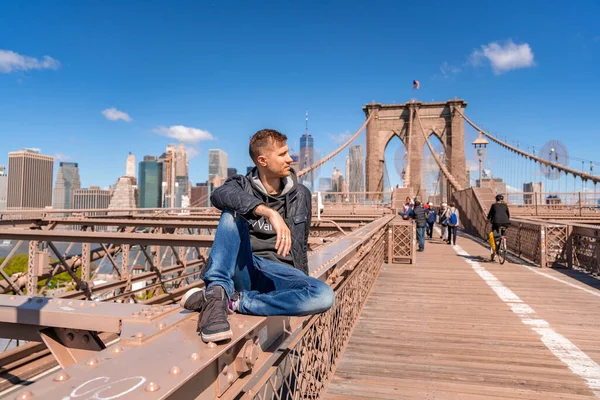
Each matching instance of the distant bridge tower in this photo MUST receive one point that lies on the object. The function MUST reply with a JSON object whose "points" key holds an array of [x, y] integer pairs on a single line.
{"points": [[439, 119]]}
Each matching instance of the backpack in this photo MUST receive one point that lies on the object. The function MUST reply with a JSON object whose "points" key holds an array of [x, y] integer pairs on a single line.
{"points": [[453, 218]]}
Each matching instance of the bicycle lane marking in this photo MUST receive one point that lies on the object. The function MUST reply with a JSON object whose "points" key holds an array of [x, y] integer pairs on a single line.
{"points": [[592, 292], [565, 350]]}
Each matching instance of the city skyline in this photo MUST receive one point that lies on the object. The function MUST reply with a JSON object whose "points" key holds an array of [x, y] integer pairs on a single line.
{"points": [[93, 110]]}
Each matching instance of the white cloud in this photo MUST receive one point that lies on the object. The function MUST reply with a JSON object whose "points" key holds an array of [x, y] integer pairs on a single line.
{"points": [[11, 61], [503, 57], [58, 157], [340, 138], [112, 114], [192, 152], [184, 133]]}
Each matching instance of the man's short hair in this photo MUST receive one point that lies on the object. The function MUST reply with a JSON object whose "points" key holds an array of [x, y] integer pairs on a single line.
{"points": [[264, 138]]}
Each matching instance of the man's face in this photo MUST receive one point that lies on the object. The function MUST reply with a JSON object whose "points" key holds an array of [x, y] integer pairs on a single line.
{"points": [[276, 159]]}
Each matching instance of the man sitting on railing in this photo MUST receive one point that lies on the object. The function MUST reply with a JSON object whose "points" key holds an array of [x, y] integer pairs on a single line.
{"points": [[258, 262], [499, 216]]}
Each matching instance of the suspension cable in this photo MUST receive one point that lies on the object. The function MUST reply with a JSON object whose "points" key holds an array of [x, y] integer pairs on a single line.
{"points": [[443, 168], [567, 170], [336, 152]]}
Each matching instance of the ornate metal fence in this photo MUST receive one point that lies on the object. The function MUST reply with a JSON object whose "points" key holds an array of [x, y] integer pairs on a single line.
{"points": [[585, 250], [401, 242], [310, 358]]}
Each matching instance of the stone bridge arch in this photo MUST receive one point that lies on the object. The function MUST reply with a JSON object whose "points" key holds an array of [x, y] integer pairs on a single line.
{"points": [[439, 119]]}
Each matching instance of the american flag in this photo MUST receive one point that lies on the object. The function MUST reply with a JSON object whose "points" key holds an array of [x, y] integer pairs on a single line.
{"points": [[416, 84]]}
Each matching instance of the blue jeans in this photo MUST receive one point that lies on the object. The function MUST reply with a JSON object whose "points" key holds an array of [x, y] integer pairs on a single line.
{"points": [[421, 237], [266, 287]]}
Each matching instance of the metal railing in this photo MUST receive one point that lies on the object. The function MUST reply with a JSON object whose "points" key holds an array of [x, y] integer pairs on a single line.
{"points": [[554, 204]]}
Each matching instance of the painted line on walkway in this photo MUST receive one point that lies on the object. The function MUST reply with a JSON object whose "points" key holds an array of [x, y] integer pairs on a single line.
{"points": [[567, 352], [590, 291], [593, 292]]}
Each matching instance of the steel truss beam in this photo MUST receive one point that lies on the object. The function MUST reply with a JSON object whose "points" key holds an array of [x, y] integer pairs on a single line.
{"points": [[160, 355]]}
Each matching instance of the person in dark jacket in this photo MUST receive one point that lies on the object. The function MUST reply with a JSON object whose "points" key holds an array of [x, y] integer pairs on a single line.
{"points": [[431, 217], [258, 263], [499, 216], [418, 214]]}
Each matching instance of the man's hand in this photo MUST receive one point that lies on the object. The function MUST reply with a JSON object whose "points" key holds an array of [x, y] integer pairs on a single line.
{"points": [[284, 236]]}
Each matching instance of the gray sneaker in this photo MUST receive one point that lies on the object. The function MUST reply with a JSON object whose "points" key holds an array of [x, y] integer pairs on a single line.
{"points": [[213, 306]]}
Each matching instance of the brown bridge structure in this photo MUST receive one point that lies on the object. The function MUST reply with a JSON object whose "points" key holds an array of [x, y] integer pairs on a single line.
{"points": [[446, 323]]}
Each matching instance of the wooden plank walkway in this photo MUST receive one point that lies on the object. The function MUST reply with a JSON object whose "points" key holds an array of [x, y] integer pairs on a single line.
{"points": [[437, 330]]}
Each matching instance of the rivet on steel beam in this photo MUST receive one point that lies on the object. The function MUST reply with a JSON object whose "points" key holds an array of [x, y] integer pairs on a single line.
{"points": [[24, 396], [61, 377], [13, 298], [225, 370], [152, 387], [82, 304], [161, 325], [93, 305], [70, 337], [212, 345], [250, 393], [230, 378], [240, 326], [70, 303], [117, 349], [139, 335], [85, 338], [60, 302], [39, 300], [92, 362], [175, 371], [50, 301], [195, 357]]}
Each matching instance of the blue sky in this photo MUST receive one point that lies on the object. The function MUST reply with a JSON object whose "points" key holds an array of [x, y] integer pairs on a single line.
{"points": [[529, 70]]}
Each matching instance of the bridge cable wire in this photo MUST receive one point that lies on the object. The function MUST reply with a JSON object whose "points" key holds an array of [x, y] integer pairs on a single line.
{"points": [[336, 152], [583, 175], [443, 168]]}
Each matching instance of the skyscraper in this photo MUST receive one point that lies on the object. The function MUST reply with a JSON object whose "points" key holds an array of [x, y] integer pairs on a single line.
{"points": [[217, 164], [3, 187], [356, 173], [67, 180], [175, 179], [150, 182], [130, 166], [307, 156], [30, 180], [295, 162], [337, 181], [199, 195], [124, 196], [92, 198], [181, 163], [231, 172]]}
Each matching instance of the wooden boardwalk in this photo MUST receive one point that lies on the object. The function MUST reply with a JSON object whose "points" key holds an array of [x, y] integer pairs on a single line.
{"points": [[438, 330]]}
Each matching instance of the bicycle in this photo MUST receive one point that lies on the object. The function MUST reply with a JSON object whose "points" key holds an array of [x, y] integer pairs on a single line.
{"points": [[501, 249]]}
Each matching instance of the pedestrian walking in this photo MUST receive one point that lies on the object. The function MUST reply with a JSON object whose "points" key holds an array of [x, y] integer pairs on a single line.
{"points": [[431, 218], [418, 214]]}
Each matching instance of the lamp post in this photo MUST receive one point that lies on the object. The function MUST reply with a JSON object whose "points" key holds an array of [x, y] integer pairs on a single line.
{"points": [[480, 146]]}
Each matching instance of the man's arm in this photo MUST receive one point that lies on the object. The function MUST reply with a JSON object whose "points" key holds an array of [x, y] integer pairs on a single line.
{"points": [[284, 236], [232, 197], [491, 213]]}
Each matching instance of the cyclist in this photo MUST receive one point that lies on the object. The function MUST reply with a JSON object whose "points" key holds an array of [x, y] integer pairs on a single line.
{"points": [[499, 216]]}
